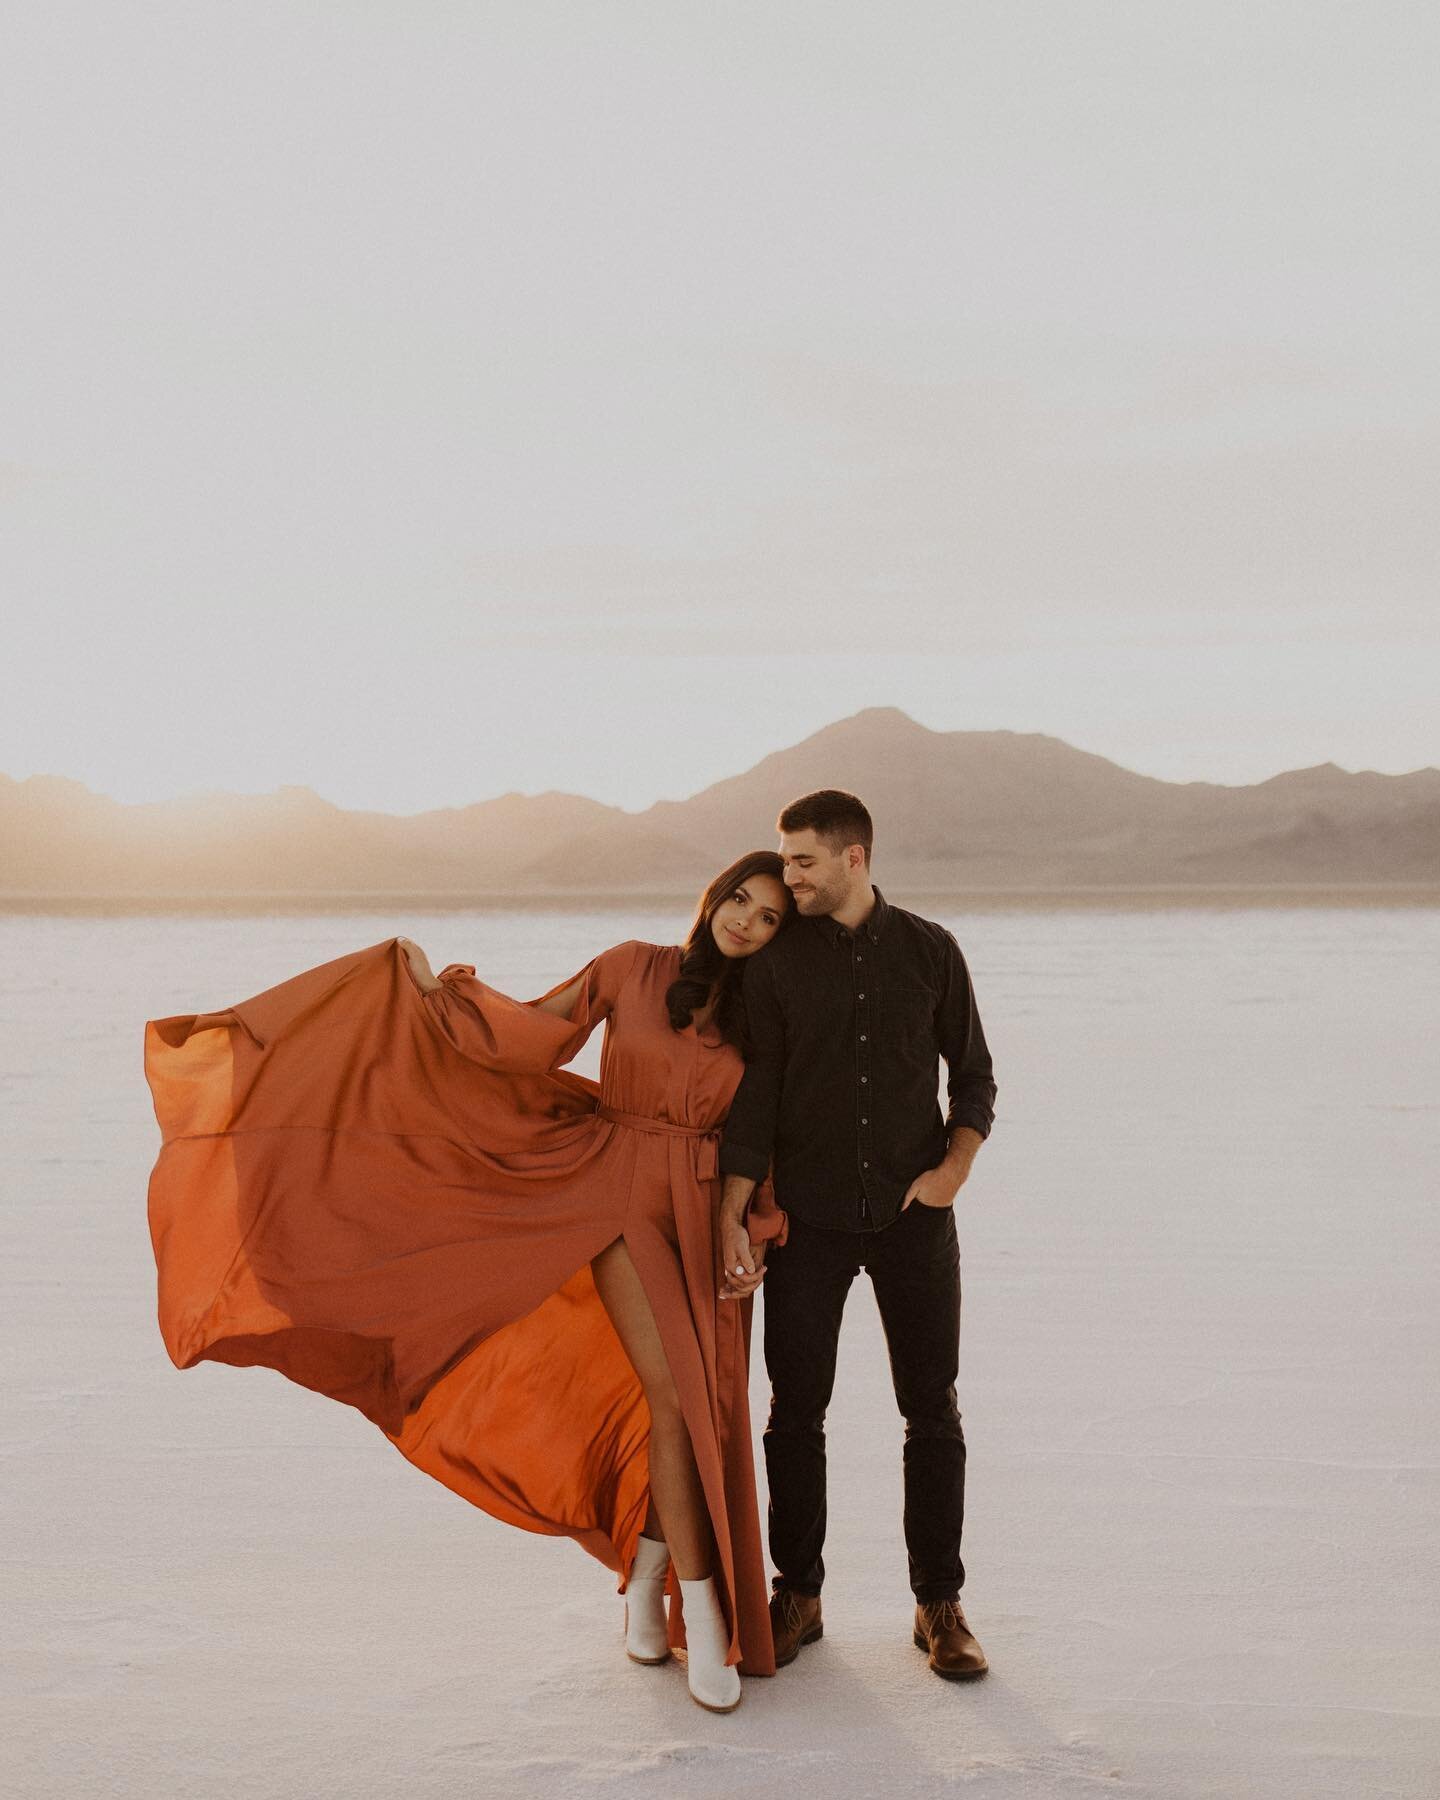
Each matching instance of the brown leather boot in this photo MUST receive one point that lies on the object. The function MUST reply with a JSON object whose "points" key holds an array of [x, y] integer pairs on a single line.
{"points": [[794, 1620], [940, 1628]]}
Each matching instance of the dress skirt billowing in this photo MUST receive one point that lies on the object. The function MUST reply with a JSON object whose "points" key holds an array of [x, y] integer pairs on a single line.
{"points": [[393, 1198]]}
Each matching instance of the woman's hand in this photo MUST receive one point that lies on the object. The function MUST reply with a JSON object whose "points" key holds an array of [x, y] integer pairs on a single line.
{"points": [[742, 1264], [419, 965]]}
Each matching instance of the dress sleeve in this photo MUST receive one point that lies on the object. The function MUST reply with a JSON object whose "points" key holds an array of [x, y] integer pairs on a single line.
{"points": [[515, 1036], [764, 1220]]}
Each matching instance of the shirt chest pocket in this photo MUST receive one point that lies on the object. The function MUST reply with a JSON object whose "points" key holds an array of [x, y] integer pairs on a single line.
{"points": [[907, 1012]]}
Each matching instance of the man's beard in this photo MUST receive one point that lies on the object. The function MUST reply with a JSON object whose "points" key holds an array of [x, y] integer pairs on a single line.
{"points": [[821, 900]]}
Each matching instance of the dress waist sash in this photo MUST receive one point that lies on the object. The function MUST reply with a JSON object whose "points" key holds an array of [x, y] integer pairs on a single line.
{"points": [[707, 1135]]}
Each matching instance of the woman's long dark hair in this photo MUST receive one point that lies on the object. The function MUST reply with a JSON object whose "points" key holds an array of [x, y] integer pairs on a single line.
{"points": [[703, 962]]}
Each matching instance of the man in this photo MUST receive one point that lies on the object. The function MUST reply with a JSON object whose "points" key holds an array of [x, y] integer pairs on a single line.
{"points": [[849, 1011]]}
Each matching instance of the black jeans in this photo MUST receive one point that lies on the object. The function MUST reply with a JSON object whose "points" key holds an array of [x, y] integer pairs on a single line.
{"points": [[914, 1267]]}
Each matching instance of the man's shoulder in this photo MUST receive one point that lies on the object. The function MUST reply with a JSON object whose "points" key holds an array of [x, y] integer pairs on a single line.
{"points": [[789, 962], [916, 928], [798, 937]]}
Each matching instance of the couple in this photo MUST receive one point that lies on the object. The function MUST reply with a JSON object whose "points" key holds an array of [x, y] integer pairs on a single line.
{"points": [[386, 1185]]}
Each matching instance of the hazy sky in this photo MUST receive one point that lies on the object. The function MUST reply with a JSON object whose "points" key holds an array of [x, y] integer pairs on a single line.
{"points": [[420, 401]]}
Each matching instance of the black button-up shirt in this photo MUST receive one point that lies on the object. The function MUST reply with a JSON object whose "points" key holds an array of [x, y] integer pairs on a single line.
{"points": [[841, 1091]]}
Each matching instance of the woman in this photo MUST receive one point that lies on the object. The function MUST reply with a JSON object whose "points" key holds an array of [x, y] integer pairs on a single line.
{"points": [[386, 1185]]}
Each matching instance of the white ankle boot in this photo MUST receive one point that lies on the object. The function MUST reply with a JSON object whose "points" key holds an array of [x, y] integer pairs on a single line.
{"points": [[646, 1637], [714, 1684]]}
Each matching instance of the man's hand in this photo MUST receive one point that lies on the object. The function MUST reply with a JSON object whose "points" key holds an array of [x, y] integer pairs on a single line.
{"points": [[936, 1187], [939, 1186], [742, 1264]]}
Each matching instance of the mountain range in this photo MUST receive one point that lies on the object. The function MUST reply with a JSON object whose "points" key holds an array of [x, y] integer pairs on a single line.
{"points": [[955, 811]]}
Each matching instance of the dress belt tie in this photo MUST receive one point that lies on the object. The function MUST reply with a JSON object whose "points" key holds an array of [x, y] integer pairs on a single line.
{"points": [[708, 1135]]}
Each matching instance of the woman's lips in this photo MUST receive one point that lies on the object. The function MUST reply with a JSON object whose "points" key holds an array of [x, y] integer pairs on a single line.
{"points": [[735, 937]]}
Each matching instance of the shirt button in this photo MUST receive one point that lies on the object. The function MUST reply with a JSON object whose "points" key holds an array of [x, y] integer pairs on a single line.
{"points": [[862, 1037], [864, 1121], [862, 996], [864, 1165], [864, 1078]]}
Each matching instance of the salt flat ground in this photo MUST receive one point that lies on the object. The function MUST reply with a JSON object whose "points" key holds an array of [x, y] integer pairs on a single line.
{"points": [[1199, 1387]]}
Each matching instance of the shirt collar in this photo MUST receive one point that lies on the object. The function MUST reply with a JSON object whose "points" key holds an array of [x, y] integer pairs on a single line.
{"points": [[873, 928]]}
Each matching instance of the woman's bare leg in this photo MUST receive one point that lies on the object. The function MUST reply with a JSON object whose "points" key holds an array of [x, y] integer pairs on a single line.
{"points": [[677, 1500]]}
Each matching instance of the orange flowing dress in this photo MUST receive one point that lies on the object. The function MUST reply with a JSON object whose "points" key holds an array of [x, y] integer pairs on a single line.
{"points": [[393, 1198]]}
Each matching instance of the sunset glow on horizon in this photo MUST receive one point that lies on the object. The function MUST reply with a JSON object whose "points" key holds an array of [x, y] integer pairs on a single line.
{"points": [[423, 407]]}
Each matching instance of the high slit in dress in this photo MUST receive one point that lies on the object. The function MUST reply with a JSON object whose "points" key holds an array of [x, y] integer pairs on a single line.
{"points": [[393, 1198]]}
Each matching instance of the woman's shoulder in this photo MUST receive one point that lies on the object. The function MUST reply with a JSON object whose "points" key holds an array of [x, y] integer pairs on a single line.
{"points": [[634, 967], [644, 955], [634, 955]]}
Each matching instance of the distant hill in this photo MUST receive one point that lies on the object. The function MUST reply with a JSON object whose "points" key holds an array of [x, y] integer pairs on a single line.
{"points": [[954, 810]]}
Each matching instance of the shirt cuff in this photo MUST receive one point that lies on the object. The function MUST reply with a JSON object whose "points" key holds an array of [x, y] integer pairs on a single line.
{"points": [[976, 1124], [736, 1159]]}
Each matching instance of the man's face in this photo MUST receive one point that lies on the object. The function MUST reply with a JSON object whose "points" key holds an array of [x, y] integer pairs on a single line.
{"points": [[819, 879]]}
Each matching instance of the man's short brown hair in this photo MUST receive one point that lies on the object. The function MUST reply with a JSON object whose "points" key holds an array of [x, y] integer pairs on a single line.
{"points": [[836, 818]]}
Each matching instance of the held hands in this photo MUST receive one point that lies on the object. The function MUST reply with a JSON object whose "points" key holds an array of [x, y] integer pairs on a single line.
{"points": [[737, 1253]]}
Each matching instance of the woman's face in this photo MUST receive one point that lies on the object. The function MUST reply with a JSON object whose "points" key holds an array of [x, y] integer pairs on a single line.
{"points": [[750, 917]]}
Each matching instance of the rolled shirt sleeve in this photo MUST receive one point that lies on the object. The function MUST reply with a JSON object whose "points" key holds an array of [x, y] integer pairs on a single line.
{"points": [[970, 1077]]}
